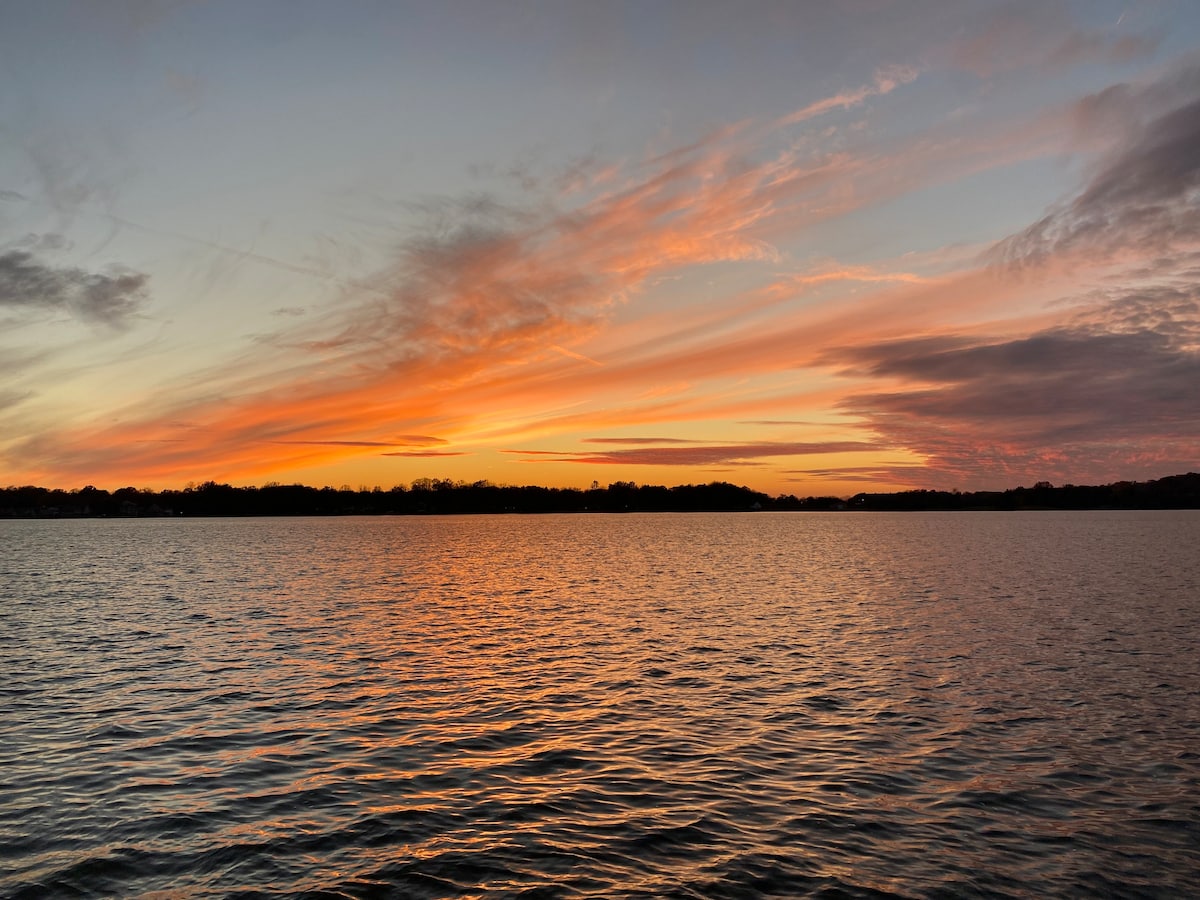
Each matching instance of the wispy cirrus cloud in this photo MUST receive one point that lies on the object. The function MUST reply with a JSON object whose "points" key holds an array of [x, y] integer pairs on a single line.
{"points": [[1030, 35], [485, 290], [886, 80]]}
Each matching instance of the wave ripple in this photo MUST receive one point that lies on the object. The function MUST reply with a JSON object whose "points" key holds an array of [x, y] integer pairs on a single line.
{"points": [[570, 706]]}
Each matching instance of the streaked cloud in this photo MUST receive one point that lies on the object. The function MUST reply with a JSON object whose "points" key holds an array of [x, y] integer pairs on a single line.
{"points": [[702, 455], [427, 454], [397, 442], [886, 80], [638, 440]]}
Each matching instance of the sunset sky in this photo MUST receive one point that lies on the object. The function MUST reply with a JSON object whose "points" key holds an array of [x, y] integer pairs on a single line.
{"points": [[812, 248]]}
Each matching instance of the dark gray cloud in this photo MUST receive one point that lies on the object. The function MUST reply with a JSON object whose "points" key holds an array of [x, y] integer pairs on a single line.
{"points": [[110, 299], [1144, 197], [1051, 387], [1121, 113], [41, 243], [1113, 390]]}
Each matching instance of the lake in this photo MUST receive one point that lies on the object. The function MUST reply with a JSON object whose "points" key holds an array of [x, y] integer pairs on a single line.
{"points": [[642, 705]]}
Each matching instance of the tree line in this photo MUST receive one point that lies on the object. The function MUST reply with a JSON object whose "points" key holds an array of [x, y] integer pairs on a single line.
{"points": [[427, 496], [424, 496]]}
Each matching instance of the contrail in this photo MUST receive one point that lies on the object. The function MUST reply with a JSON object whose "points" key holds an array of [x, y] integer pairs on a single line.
{"points": [[233, 251], [573, 355]]}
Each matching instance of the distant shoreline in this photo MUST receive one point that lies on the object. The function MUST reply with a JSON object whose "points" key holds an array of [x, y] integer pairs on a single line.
{"points": [[444, 497]]}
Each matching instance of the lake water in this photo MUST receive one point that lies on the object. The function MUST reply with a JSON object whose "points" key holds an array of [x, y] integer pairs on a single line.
{"points": [[691, 706]]}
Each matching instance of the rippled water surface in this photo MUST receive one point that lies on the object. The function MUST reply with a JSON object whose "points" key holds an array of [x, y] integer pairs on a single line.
{"points": [[840, 705]]}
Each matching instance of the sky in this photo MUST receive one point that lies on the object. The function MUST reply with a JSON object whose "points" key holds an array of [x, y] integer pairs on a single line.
{"points": [[810, 248]]}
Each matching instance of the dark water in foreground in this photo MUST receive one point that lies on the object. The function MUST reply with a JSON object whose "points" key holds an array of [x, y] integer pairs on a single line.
{"points": [[1002, 704]]}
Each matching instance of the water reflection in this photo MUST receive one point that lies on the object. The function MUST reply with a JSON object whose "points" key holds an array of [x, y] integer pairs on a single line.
{"points": [[619, 706]]}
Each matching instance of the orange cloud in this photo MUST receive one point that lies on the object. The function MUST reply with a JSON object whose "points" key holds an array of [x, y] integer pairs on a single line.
{"points": [[887, 79], [477, 330]]}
